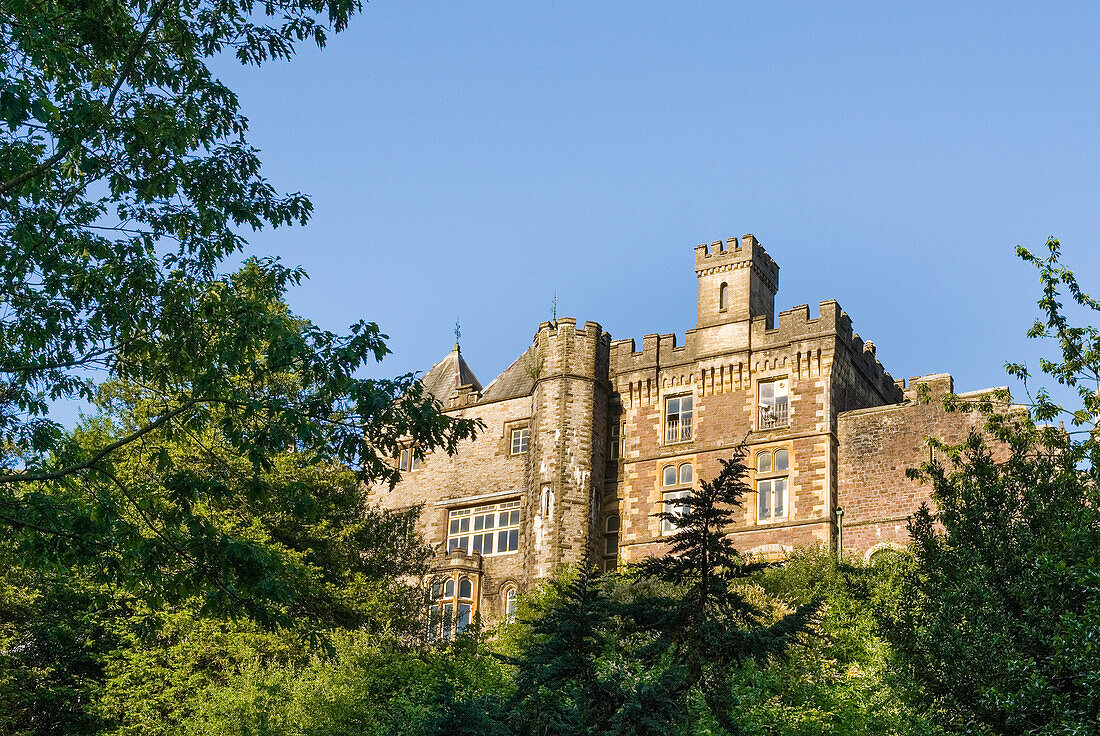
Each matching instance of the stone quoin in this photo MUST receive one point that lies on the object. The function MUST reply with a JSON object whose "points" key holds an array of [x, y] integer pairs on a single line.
{"points": [[586, 438]]}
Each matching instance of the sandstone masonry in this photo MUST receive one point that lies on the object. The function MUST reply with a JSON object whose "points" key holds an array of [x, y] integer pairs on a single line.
{"points": [[587, 438]]}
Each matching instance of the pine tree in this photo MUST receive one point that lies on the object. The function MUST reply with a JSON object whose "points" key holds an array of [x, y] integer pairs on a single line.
{"points": [[709, 627], [558, 686]]}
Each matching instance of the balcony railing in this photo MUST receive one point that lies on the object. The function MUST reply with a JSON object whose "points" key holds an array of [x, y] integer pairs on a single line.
{"points": [[773, 416], [678, 430]]}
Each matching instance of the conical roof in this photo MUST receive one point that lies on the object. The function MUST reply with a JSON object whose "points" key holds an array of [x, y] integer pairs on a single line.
{"points": [[446, 376]]}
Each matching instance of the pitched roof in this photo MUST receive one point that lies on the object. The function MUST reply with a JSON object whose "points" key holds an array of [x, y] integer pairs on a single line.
{"points": [[517, 379], [446, 376]]}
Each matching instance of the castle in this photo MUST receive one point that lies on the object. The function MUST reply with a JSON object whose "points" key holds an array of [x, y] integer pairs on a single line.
{"points": [[586, 438]]}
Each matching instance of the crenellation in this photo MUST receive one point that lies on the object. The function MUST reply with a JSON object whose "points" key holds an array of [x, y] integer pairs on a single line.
{"points": [[582, 430]]}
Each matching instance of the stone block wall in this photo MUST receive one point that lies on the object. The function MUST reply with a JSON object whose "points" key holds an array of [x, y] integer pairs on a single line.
{"points": [[876, 447], [851, 433]]}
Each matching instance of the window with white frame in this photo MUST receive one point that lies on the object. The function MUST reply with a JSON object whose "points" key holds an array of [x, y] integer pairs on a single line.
{"points": [[520, 437], [407, 460], [449, 613], [674, 504], [490, 530], [773, 404], [676, 480], [772, 468], [678, 418], [611, 536], [510, 598]]}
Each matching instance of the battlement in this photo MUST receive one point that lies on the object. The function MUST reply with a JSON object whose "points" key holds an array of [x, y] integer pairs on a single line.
{"points": [[795, 324], [562, 348], [738, 280], [564, 323], [731, 252]]}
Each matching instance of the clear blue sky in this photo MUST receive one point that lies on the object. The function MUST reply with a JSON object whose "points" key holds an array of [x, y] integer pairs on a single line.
{"points": [[469, 160]]}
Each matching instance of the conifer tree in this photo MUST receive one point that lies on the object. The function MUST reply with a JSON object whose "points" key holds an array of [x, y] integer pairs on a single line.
{"points": [[559, 689], [710, 628]]}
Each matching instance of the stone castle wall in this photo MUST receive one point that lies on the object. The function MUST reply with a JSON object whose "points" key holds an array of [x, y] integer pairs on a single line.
{"points": [[877, 446], [850, 433]]}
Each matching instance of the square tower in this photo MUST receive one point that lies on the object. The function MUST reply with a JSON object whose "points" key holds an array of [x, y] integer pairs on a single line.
{"points": [[737, 281]]}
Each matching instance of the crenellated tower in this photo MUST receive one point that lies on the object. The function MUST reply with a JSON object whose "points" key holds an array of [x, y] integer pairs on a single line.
{"points": [[569, 427], [738, 280]]}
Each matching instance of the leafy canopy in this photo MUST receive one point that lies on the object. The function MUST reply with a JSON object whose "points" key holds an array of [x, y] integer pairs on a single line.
{"points": [[126, 184], [999, 618]]}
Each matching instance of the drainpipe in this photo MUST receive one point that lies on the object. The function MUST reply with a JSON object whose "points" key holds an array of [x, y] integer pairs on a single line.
{"points": [[840, 534]]}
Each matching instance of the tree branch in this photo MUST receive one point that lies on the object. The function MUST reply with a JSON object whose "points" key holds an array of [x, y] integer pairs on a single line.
{"points": [[65, 149], [89, 463]]}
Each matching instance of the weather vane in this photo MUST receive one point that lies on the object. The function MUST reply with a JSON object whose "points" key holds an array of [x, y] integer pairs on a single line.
{"points": [[554, 308], [458, 331]]}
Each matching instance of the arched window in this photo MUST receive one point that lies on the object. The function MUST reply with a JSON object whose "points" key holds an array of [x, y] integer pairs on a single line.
{"points": [[611, 536], [772, 467], [435, 610], [447, 607], [546, 502], [670, 475], [673, 500], [723, 296], [510, 597], [465, 604], [449, 614]]}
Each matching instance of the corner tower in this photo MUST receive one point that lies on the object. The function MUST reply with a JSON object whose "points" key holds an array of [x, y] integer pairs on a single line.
{"points": [[568, 441], [737, 281]]}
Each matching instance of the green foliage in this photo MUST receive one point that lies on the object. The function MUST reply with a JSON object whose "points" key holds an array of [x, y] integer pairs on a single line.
{"points": [[837, 679], [368, 687], [998, 620], [710, 628], [1000, 617], [295, 545], [52, 639], [565, 683], [126, 180]]}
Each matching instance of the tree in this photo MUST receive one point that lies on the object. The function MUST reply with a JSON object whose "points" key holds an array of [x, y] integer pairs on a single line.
{"points": [[559, 687], [999, 619], [711, 627], [295, 547], [126, 181], [652, 650]]}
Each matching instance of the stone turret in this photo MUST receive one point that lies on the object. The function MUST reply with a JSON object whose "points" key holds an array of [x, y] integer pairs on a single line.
{"points": [[737, 281], [567, 456]]}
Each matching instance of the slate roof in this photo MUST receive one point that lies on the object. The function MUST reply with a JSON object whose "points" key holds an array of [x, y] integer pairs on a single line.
{"points": [[443, 380], [517, 379]]}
